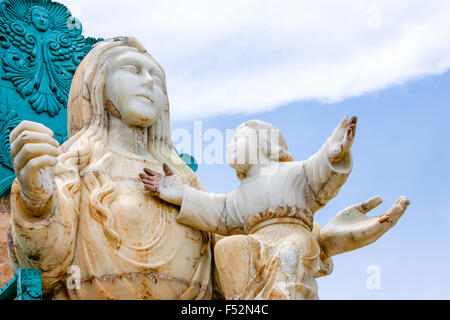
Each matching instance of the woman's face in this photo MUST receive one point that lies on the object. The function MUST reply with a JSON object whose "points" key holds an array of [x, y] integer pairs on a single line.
{"points": [[135, 85], [40, 19]]}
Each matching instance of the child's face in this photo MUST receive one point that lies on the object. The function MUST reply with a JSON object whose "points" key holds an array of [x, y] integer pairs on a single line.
{"points": [[243, 148]]}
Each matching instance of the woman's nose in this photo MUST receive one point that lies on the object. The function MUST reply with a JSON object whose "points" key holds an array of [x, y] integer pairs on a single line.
{"points": [[148, 80]]}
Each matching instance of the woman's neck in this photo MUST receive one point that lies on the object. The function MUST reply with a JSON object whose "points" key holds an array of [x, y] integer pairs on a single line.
{"points": [[128, 138]]}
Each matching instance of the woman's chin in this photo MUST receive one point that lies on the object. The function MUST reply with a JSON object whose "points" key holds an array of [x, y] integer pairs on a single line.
{"points": [[140, 120]]}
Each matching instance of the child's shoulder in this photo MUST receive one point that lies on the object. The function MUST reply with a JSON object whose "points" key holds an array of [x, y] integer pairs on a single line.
{"points": [[282, 170], [291, 165], [288, 171]]}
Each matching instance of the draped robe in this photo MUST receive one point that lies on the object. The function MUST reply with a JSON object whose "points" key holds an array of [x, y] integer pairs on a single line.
{"points": [[156, 257]]}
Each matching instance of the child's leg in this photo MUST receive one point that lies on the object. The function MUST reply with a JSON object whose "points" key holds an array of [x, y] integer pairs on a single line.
{"points": [[288, 270], [298, 255], [234, 257]]}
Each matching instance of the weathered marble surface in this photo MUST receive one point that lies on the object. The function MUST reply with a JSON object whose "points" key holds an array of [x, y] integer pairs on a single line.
{"points": [[5, 217], [273, 250], [81, 205]]}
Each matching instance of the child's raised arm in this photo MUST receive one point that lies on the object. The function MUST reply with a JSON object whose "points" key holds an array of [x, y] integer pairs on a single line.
{"points": [[328, 169]]}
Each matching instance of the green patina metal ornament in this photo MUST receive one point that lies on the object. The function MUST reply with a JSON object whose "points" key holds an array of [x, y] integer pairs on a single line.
{"points": [[25, 285], [41, 45], [188, 159], [44, 47]]}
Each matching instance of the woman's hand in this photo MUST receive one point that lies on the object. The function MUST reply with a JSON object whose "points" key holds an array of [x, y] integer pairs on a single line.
{"points": [[168, 187], [34, 154], [351, 229]]}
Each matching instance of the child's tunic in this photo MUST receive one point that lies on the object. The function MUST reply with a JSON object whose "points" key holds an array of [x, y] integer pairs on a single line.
{"points": [[287, 193]]}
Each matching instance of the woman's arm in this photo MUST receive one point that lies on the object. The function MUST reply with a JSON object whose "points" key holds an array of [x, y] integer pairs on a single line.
{"points": [[43, 225]]}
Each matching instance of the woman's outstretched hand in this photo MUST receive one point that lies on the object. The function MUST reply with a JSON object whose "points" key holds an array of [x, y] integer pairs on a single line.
{"points": [[167, 186]]}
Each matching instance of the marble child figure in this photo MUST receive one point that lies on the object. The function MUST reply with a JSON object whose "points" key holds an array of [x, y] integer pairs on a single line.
{"points": [[274, 250]]}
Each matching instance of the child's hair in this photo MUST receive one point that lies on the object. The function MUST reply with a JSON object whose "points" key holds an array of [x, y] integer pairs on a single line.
{"points": [[270, 141]]}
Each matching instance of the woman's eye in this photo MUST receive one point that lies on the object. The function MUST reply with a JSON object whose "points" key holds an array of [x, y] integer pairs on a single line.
{"points": [[157, 80], [131, 69]]}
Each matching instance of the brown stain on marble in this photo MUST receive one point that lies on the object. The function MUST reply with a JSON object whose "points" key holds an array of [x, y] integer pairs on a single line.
{"points": [[5, 217]]}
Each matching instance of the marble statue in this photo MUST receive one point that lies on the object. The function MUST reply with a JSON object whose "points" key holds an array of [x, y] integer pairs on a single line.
{"points": [[273, 250], [82, 205]]}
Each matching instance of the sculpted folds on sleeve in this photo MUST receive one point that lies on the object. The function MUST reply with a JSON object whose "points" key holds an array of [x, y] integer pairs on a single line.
{"points": [[204, 211], [45, 242], [323, 178]]}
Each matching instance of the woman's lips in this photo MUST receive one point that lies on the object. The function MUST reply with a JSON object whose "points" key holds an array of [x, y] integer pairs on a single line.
{"points": [[145, 97]]}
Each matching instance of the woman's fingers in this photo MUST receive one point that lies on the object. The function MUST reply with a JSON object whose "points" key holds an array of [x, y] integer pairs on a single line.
{"points": [[31, 151], [31, 137], [38, 163], [29, 126]]}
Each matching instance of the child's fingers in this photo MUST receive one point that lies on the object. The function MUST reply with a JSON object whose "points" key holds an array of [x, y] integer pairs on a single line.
{"points": [[152, 188], [152, 173], [167, 170], [149, 178], [370, 204]]}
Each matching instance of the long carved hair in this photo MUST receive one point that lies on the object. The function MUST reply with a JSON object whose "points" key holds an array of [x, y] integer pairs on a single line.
{"points": [[86, 154]]}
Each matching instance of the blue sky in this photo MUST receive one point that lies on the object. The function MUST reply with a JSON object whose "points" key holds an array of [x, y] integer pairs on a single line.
{"points": [[401, 148], [303, 65], [220, 56]]}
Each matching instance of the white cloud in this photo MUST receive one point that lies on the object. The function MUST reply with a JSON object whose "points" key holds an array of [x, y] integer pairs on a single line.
{"points": [[255, 55]]}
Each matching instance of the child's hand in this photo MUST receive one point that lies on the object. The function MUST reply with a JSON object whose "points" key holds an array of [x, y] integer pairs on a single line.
{"points": [[168, 187], [352, 229], [342, 139]]}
